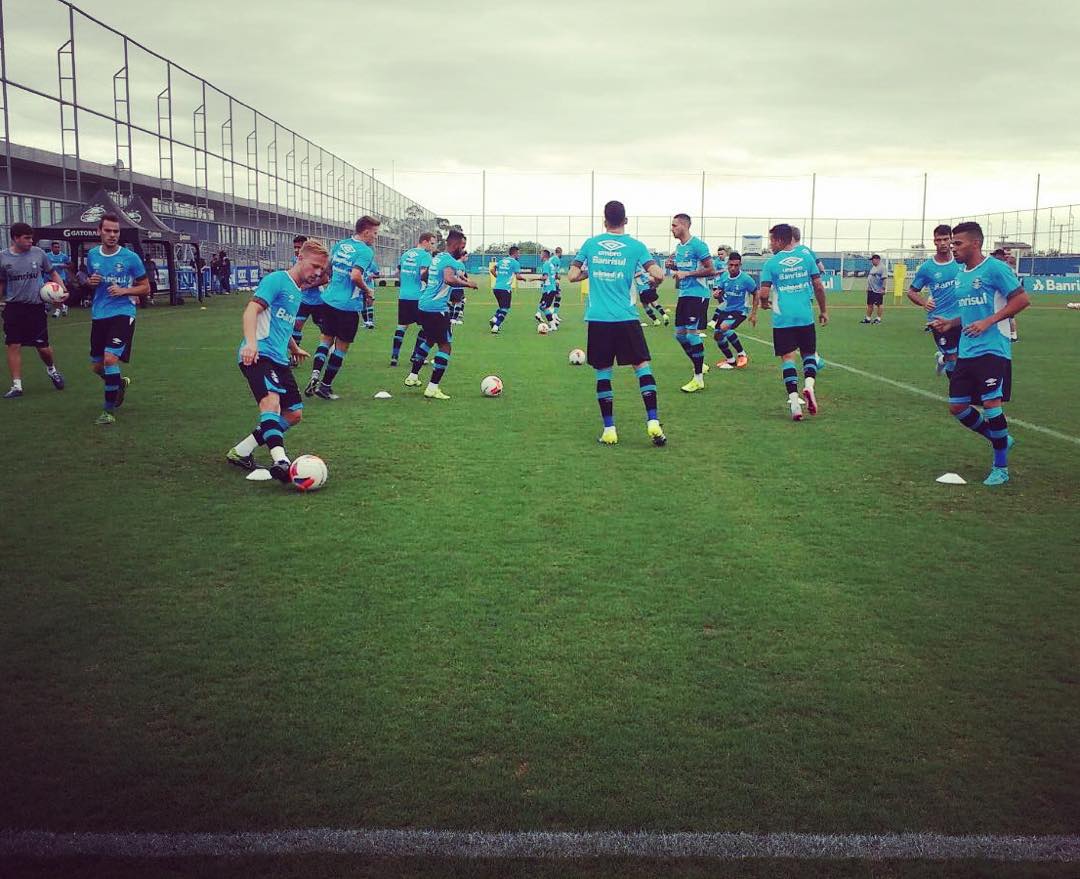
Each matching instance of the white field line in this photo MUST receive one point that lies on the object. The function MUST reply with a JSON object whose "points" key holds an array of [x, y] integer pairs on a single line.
{"points": [[830, 363], [538, 844]]}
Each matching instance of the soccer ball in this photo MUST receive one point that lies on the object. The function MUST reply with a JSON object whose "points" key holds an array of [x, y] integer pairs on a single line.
{"points": [[577, 357], [308, 473], [491, 386], [542, 329], [53, 293]]}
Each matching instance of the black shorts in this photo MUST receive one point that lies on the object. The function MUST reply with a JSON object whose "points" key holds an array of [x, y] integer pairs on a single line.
{"points": [[112, 335], [949, 341], [622, 342], [733, 317], [312, 310], [875, 298], [788, 339], [436, 327], [339, 324], [703, 314], [408, 312], [649, 296], [26, 324], [503, 298], [974, 376], [688, 312], [547, 299], [266, 377]]}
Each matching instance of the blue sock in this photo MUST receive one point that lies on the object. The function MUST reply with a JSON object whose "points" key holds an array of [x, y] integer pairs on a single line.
{"points": [[647, 384], [998, 433], [399, 338], [791, 376], [605, 397]]}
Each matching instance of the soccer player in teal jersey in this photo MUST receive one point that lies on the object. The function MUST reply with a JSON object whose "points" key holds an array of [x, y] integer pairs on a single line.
{"points": [[368, 312], [691, 263], [61, 263], [987, 294], [545, 312], [506, 269], [413, 270], [310, 297], [720, 266], [732, 291], [119, 279], [610, 262], [797, 280], [447, 272], [457, 297], [267, 353], [796, 236], [343, 300], [648, 293], [557, 304], [937, 276]]}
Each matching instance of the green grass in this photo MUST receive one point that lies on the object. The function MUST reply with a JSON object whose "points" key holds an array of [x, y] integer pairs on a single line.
{"points": [[485, 620]]}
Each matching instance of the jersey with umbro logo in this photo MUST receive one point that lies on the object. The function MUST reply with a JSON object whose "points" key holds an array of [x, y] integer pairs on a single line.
{"points": [[981, 292], [941, 279], [274, 325], [122, 268]]}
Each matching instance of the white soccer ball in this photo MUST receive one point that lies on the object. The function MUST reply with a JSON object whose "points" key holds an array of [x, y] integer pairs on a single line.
{"points": [[308, 473], [577, 357], [53, 293], [491, 386], [542, 329]]}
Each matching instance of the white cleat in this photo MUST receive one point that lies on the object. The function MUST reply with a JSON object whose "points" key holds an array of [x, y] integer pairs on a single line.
{"points": [[796, 409]]}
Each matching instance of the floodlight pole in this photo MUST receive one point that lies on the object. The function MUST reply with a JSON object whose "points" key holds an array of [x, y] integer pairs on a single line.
{"points": [[1035, 220], [922, 227], [813, 202], [592, 203], [483, 209], [702, 202]]}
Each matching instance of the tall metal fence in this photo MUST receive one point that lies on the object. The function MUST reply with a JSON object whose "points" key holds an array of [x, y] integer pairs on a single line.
{"points": [[90, 101], [500, 207]]}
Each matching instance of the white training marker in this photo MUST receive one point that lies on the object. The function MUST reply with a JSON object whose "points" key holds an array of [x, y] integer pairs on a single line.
{"points": [[949, 479], [260, 475], [383, 395]]}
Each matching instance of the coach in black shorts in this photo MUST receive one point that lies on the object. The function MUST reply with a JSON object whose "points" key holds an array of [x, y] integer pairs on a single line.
{"points": [[26, 322]]}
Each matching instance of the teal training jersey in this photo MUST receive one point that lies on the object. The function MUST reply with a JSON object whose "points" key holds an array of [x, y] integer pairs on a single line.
{"points": [[688, 258], [941, 279], [612, 260], [735, 291], [643, 281], [790, 274], [980, 293], [341, 293], [61, 263], [274, 325], [551, 275], [123, 268], [505, 270], [436, 293], [721, 266], [413, 262]]}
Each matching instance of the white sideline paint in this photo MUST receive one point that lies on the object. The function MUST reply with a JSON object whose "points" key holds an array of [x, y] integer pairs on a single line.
{"points": [[539, 844], [829, 364]]}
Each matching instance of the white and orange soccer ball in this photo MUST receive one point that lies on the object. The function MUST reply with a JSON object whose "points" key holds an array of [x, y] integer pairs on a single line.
{"points": [[53, 293], [577, 357], [308, 473], [543, 329], [491, 386]]}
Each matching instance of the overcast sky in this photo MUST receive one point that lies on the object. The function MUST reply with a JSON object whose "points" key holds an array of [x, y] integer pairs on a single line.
{"points": [[868, 94]]}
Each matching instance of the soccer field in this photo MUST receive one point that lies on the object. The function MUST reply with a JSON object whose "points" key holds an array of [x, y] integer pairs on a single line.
{"points": [[486, 621]]}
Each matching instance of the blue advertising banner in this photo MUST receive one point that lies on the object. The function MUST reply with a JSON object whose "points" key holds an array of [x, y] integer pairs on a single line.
{"points": [[1051, 284]]}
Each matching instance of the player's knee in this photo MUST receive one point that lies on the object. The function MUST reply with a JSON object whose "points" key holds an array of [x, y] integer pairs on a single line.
{"points": [[957, 408], [294, 416], [111, 360]]}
